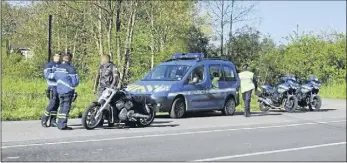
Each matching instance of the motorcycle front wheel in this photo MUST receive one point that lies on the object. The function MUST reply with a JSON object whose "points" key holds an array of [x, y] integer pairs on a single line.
{"points": [[89, 121], [315, 104], [291, 104]]}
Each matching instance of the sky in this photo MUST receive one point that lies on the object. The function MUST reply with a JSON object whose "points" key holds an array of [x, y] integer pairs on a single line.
{"points": [[280, 18]]}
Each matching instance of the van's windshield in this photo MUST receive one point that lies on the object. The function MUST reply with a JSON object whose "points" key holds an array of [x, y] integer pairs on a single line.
{"points": [[167, 73]]}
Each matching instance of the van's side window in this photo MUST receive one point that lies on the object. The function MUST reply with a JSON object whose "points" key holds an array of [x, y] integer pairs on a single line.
{"points": [[228, 73], [198, 72], [215, 71]]}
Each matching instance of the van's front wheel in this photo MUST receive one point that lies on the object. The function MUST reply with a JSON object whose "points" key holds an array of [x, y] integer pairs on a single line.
{"points": [[178, 108]]}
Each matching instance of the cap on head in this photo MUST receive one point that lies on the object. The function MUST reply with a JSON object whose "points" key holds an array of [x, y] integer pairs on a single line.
{"points": [[68, 54]]}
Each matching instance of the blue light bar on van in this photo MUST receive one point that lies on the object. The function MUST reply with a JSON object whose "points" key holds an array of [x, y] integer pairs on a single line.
{"points": [[188, 55], [195, 55], [177, 55]]}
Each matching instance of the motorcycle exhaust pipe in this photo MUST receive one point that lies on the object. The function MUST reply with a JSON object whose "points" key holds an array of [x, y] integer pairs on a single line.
{"points": [[267, 103], [264, 101], [137, 115]]}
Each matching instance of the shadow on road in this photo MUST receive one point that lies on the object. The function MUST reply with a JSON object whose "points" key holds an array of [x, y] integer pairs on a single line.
{"points": [[122, 126], [151, 126], [155, 122], [161, 122], [75, 125], [304, 110], [218, 113]]}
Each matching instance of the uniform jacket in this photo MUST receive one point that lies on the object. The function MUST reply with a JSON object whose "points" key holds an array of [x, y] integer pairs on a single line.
{"points": [[66, 77], [48, 73]]}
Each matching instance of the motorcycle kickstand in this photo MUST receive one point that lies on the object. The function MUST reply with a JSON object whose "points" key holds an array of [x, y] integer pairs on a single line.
{"points": [[119, 124]]}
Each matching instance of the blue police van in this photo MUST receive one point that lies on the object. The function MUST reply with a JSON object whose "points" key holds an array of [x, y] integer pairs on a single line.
{"points": [[189, 82]]}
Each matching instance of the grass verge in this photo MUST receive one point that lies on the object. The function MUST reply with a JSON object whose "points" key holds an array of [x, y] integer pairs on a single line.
{"points": [[334, 90], [26, 100]]}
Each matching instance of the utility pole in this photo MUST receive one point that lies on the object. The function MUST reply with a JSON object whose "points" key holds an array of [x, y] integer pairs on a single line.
{"points": [[49, 38]]}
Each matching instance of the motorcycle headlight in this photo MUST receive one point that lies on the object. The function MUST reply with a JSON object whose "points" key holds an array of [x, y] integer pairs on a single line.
{"points": [[281, 90], [162, 88]]}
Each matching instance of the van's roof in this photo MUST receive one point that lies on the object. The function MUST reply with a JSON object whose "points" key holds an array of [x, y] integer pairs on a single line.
{"points": [[192, 62]]}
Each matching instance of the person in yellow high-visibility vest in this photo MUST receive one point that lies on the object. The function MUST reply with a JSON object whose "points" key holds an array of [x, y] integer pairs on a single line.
{"points": [[248, 83], [215, 80]]}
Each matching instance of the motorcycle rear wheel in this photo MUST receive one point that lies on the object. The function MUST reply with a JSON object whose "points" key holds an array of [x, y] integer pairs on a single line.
{"points": [[145, 122], [88, 117], [142, 122]]}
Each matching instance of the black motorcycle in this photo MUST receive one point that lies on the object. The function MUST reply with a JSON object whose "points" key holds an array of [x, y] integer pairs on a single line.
{"points": [[116, 106], [308, 94], [282, 96]]}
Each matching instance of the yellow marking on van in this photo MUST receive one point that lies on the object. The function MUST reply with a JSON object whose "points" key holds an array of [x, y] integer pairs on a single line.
{"points": [[140, 88], [132, 87], [149, 88]]}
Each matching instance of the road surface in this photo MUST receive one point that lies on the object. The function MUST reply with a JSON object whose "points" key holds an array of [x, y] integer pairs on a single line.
{"points": [[275, 136]]}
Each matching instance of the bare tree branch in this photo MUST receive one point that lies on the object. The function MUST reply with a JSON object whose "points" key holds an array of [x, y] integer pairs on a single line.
{"points": [[66, 4], [244, 12], [103, 8]]}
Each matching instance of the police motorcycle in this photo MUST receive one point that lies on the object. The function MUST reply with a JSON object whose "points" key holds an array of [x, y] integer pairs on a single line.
{"points": [[117, 106], [308, 94], [282, 96]]}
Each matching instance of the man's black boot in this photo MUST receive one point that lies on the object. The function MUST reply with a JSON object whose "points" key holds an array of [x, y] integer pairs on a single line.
{"points": [[53, 122], [247, 113], [44, 124], [65, 128]]}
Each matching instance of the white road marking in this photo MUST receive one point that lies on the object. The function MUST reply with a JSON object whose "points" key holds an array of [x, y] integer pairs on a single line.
{"points": [[270, 152], [12, 157], [172, 134]]}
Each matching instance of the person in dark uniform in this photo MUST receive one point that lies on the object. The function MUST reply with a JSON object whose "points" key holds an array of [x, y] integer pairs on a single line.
{"points": [[50, 113], [67, 79], [107, 77]]}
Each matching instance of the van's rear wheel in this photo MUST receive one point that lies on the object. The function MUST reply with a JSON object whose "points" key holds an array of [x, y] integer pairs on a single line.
{"points": [[178, 108], [229, 107]]}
